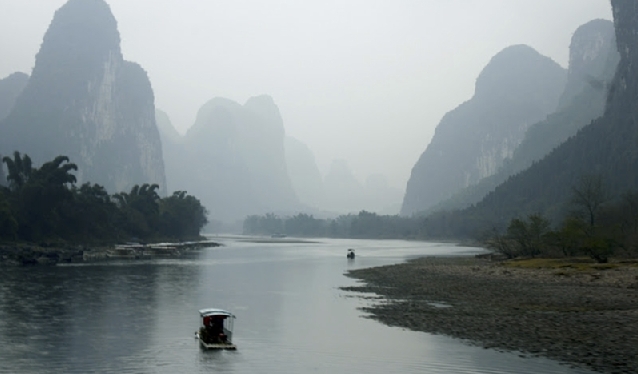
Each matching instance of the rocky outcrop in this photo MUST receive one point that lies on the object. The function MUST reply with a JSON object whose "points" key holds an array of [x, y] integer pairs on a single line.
{"points": [[10, 88], [517, 88], [304, 174], [593, 60], [84, 101], [624, 88]]}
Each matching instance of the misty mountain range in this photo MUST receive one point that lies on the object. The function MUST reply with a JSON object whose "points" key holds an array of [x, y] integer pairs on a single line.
{"points": [[593, 60], [604, 149], [85, 101]]}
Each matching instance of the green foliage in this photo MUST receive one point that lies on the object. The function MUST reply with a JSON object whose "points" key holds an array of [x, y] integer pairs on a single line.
{"points": [[8, 224], [44, 205], [595, 227], [529, 236], [182, 216], [19, 169]]}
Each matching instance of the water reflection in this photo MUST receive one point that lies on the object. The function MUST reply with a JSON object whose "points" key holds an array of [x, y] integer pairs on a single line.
{"points": [[140, 317]]}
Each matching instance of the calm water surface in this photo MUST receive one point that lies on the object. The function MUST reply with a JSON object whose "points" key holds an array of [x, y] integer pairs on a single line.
{"points": [[140, 316]]}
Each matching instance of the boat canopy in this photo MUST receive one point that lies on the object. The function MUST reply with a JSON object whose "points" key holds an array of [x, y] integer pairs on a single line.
{"points": [[215, 312]]}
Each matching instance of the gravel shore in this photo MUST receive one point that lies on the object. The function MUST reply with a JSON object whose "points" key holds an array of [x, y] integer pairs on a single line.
{"points": [[588, 318]]}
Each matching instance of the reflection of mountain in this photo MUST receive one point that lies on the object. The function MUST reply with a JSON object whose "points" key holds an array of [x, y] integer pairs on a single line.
{"points": [[85, 101], [518, 87], [593, 60], [232, 159]]}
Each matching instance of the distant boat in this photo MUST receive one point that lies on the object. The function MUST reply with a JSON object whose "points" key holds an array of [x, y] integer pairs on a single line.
{"points": [[350, 254], [216, 331]]}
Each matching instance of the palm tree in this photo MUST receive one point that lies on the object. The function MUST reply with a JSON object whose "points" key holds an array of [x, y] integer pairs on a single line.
{"points": [[19, 169], [55, 174]]}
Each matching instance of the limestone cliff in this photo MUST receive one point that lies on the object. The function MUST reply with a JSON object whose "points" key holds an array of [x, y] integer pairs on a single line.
{"points": [[238, 152], [517, 88], [593, 60], [84, 101]]}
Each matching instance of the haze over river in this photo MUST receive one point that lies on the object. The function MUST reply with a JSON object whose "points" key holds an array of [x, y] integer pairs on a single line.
{"points": [[141, 316]]}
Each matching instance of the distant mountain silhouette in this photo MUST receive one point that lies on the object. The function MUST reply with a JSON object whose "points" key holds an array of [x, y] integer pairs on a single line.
{"points": [[517, 88], [344, 193], [593, 60], [175, 155], [304, 173], [10, 88], [381, 197], [232, 158], [84, 101]]}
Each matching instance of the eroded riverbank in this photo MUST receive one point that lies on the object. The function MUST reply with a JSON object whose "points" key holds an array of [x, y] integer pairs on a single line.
{"points": [[588, 318], [29, 255]]}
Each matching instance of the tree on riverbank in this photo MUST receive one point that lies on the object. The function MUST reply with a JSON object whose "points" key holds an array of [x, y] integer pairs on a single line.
{"points": [[362, 225], [44, 205], [596, 226]]}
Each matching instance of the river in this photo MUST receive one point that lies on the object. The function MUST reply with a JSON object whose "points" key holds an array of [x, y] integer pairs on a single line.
{"points": [[140, 316]]}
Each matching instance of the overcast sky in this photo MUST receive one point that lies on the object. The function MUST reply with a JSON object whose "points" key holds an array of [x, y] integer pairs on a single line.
{"points": [[364, 80]]}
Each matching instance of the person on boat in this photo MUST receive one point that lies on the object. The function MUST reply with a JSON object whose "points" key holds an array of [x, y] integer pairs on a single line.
{"points": [[216, 330]]}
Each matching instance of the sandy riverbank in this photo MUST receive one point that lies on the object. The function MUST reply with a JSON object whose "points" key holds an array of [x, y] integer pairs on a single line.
{"points": [[584, 316]]}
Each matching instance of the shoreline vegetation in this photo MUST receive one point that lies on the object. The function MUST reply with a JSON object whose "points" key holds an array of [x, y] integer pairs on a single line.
{"points": [[573, 310], [43, 212]]}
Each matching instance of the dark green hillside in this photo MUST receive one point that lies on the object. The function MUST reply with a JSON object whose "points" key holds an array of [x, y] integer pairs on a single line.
{"points": [[607, 147]]}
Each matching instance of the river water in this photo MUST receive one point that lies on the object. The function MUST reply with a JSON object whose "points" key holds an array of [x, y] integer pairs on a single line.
{"points": [[140, 316]]}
